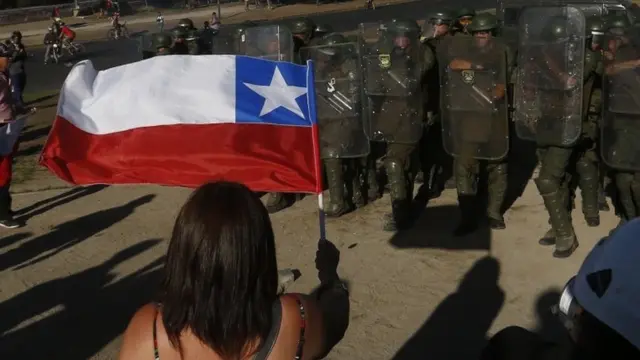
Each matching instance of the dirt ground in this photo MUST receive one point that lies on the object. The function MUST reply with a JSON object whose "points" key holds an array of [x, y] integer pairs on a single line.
{"points": [[89, 257]]}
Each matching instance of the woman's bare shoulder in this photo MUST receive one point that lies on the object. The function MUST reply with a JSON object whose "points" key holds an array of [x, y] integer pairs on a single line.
{"points": [[137, 342]]}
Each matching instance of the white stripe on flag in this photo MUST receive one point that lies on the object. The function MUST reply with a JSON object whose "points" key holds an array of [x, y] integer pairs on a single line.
{"points": [[163, 90]]}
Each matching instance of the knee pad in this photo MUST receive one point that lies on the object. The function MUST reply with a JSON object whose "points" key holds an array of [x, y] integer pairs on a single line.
{"points": [[547, 185], [393, 166]]}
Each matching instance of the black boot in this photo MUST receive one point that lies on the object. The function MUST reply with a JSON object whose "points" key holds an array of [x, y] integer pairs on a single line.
{"points": [[468, 217], [335, 182], [548, 239], [400, 217], [566, 241], [497, 189]]}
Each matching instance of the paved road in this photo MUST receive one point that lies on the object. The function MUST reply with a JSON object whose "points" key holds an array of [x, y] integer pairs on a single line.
{"points": [[107, 54]]}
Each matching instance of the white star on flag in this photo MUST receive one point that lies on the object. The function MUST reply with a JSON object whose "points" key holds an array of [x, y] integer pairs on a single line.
{"points": [[279, 94]]}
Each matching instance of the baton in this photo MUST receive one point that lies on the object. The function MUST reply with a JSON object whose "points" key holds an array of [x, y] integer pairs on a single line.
{"points": [[482, 94], [395, 77], [343, 99], [331, 103]]}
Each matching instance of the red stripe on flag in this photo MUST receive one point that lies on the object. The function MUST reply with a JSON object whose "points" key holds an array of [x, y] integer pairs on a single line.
{"points": [[264, 157]]}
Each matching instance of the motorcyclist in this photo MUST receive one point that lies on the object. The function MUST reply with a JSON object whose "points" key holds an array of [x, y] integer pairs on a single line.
{"points": [[50, 38], [193, 42], [67, 35]]}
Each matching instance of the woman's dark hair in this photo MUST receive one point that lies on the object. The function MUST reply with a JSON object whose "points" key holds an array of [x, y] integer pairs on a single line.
{"points": [[221, 275]]}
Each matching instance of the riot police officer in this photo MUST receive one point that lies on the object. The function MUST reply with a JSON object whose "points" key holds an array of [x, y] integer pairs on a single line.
{"points": [[437, 26], [193, 42], [475, 117], [586, 157], [620, 147], [179, 41], [556, 78], [302, 30], [342, 133], [463, 19], [395, 67], [162, 44], [435, 163]]}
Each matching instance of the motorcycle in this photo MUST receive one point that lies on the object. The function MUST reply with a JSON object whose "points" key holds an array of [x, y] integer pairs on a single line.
{"points": [[119, 32], [71, 48]]}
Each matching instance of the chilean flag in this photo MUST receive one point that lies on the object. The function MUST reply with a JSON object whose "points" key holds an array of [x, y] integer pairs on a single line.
{"points": [[186, 120]]}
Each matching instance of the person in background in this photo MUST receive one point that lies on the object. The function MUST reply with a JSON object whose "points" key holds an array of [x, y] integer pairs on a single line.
{"points": [[215, 21], [219, 298], [50, 38], [7, 115], [160, 22], [599, 307], [16, 68]]}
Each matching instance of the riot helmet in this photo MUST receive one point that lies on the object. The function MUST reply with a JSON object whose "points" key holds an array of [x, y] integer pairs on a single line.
{"points": [[328, 44], [402, 31], [437, 25], [440, 18], [303, 29], [618, 25], [483, 27], [161, 40], [556, 29], [595, 33], [179, 34], [464, 18], [322, 30], [617, 28], [186, 23]]}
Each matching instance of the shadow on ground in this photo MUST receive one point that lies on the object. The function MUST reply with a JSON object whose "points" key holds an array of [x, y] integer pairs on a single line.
{"points": [[522, 164], [434, 229], [92, 311], [68, 234], [35, 134], [43, 206], [457, 329]]}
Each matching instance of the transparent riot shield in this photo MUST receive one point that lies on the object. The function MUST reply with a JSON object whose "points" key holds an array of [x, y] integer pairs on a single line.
{"points": [[145, 46], [225, 45], [392, 85], [473, 98], [548, 88], [339, 100], [620, 126], [272, 42]]}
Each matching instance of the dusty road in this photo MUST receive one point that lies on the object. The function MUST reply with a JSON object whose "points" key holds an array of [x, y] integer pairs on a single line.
{"points": [[90, 256]]}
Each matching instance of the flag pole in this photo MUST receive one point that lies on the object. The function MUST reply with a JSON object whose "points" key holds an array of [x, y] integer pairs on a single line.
{"points": [[311, 102]]}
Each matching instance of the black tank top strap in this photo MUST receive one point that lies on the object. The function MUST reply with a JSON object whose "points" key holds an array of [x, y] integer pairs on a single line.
{"points": [[156, 353]]}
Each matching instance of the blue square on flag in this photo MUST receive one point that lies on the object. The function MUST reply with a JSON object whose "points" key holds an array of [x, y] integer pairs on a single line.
{"points": [[272, 92]]}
